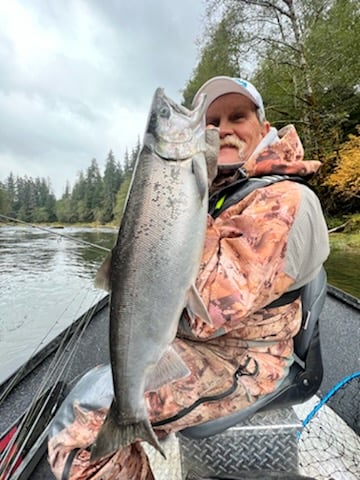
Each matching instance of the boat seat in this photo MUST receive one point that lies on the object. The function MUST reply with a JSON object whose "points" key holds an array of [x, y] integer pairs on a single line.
{"points": [[305, 375]]}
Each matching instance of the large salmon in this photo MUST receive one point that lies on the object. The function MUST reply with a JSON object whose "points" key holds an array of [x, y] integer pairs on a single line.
{"points": [[154, 265]]}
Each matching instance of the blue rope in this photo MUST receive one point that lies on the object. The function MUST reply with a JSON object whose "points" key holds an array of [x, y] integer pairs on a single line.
{"points": [[328, 396]]}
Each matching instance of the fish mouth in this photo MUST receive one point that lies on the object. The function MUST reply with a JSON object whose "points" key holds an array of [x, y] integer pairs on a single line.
{"points": [[174, 130], [164, 109]]}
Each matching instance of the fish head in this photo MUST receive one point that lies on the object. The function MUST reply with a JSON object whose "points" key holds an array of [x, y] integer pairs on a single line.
{"points": [[173, 131]]}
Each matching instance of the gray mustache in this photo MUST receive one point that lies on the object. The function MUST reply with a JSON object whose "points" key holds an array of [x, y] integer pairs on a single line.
{"points": [[232, 141]]}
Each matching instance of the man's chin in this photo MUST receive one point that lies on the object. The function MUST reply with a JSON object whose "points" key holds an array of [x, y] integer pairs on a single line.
{"points": [[228, 156]]}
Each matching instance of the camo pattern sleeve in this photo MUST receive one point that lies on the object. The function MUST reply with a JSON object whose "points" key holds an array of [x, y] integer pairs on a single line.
{"points": [[243, 263], [256, 250]]}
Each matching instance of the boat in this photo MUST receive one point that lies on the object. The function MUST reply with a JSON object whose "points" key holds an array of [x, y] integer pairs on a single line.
{"points": [[339, 333]]}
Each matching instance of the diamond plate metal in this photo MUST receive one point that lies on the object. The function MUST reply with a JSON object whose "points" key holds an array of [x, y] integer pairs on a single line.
{"points": [[267, 441]]}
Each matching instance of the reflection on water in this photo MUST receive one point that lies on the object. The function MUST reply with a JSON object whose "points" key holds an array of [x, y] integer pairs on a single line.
{"points": [[46, 282], [343, 269]]}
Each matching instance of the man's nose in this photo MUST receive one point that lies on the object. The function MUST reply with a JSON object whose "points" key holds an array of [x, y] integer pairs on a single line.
{"points": [[225, 128]]}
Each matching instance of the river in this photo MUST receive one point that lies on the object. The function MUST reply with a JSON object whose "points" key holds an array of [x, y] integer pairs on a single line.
{"points": [[46, 281]]}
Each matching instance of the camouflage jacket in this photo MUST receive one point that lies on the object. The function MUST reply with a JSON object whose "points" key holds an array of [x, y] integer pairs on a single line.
{"points": [[273, 240]]}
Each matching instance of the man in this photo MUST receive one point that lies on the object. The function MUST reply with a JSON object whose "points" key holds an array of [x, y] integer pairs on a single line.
{"points": [[272, 241]]}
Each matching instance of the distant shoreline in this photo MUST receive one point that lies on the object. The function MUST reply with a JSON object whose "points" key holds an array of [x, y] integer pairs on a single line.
{"points": [[338, 240]]}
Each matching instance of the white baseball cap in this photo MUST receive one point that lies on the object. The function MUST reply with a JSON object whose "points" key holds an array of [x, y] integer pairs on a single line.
{"points": [[218, 86]]}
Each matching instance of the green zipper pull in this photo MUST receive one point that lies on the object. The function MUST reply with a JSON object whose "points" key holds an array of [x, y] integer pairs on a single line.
{"points": [[220, 203]]}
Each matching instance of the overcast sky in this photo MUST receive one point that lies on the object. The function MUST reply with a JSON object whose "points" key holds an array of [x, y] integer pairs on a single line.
{"points": [[77, 78]]}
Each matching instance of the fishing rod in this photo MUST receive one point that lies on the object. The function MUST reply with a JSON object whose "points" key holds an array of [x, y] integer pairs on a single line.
{"points": [[48, 230], [16, 449], [58, 367]]}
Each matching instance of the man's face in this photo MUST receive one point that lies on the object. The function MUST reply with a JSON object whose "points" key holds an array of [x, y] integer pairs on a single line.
{"points": [[239, 128]]}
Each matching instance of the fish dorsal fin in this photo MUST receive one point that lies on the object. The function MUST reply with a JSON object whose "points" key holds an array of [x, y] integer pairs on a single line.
{"points": [[170, 368], [102, 279], [195, 306]]}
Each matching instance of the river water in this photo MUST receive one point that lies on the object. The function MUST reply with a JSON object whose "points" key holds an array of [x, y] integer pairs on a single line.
{"points": [[46, 282]]}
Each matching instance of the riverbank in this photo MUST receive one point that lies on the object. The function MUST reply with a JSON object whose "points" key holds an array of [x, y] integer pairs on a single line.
{"points": [[345, 241]]}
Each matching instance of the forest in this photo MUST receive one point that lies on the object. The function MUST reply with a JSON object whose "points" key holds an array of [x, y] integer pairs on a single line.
{"points": [[303, 56]]}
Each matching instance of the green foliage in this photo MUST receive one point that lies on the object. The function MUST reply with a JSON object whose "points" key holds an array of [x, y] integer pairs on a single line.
{"points": [[353, 226], [124, 188], [332, 48], [4, 200], [303, 57], [301, 54], [64, 210], [93, 198], [121, 198], [28, 199], [219, 57], [112, 180]]}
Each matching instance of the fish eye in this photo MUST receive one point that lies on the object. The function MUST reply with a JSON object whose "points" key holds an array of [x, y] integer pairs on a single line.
{"points": [[164, 111]]}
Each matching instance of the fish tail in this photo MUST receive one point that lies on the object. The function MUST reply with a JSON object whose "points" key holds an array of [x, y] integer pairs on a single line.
{"points": [[114, 436]]}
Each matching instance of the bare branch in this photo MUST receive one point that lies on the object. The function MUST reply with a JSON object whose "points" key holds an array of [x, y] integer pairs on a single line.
{"points": [[267, 4], [272, 42]]}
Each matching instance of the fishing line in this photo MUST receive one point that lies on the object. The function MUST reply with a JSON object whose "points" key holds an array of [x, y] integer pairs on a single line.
{"points": [[74, 339], [48, 230], [68, 347], [18, 375], [8, 464], [31, 417]]}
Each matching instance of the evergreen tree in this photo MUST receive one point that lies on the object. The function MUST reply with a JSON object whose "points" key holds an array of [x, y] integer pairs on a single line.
{"points": [[219, 56], [121, 197], [94, 192], [26, 196], [78, 198], [122, 193], [64, 210], [111, 183], [11, 193], [4, 200], [135, 152]]}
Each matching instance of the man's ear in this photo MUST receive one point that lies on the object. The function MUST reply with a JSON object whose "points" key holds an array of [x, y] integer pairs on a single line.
{"points": [[266, 127]]}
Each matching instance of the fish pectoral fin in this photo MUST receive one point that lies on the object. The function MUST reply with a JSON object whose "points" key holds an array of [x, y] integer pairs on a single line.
{"points": [[195, 306], [170, 367], [102, 279], [80, 413], [201, 180]]}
